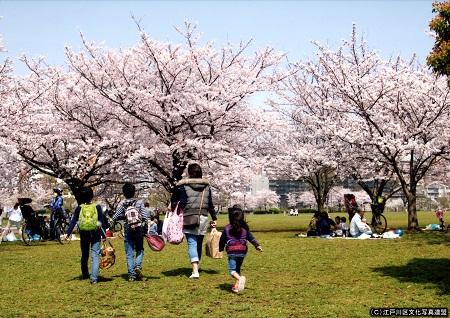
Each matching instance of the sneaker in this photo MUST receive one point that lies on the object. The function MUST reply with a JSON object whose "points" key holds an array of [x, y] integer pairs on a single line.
{"points": [[194, 275], [138, 274], [84, 276], [241, 283], [131, 279], [235, 288], [93, 282]]}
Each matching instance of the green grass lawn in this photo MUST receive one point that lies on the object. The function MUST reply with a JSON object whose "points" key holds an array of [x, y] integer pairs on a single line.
{"points": [[293, 277]]}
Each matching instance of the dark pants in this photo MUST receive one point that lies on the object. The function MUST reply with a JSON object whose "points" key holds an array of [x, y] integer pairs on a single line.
{"points": [[54, 217], [90, 240]]}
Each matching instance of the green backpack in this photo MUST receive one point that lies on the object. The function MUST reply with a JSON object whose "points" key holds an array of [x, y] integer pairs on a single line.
{"points": [[88, 217]]}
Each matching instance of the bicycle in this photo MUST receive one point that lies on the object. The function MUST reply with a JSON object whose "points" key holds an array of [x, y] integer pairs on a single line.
{"points": [[379, 222], [36, 228], [114, 226]]}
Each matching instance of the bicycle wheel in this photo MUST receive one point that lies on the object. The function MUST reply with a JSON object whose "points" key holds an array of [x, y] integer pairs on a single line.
{"points": [[27, 236], [118, 228], [60, 232], [379, 224]]}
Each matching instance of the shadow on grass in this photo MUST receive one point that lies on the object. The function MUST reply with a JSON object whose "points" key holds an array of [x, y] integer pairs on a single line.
{"points": [[100, 279], [185, 271], [226, 287], [431, 237], [422, 271], [144, 277]]}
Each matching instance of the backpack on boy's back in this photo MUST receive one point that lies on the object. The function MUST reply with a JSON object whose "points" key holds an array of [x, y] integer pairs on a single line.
{"points": [[132, 215], [88, 219]]}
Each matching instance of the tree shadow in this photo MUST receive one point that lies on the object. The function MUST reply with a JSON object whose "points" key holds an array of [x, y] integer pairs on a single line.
{"points": [[431, 237], [187, 271], [422, 271]]}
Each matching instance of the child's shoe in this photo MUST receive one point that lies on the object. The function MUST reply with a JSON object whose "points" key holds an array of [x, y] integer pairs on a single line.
{"points": [[241, 283], [139, 275]]}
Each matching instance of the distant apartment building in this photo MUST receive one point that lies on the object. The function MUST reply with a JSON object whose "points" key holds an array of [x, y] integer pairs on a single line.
{"points": [[436, 190], [284, 187], [260, 182]]}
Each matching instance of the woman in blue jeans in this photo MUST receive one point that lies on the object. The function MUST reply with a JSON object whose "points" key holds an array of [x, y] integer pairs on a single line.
{"points": [[193, 195]]}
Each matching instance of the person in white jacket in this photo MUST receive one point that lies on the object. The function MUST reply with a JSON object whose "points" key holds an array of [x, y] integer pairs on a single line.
{"points": [[358, 227], [14, 220]]}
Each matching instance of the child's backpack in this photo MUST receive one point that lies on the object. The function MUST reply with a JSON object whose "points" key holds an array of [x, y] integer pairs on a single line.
{"points": [[88, 219], [236, 245], [132, 215]]}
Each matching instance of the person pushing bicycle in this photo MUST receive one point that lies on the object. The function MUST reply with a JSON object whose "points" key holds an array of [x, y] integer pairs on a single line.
{"points": [[56, 206]]}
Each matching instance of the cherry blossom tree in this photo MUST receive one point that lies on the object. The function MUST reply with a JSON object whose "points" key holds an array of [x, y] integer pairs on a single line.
{"points": [[310, 155], [395, 111], [186, 103], [54, 129]]}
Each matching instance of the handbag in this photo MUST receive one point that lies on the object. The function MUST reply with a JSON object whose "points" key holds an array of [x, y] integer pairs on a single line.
{"points": [[108, 255], [212, 244], [155, 242], [174, 228], [193, 220]]}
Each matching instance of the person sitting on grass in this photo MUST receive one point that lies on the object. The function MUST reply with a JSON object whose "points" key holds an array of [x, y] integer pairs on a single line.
{"points": [[325, 224], [344, 226], [234, 238], [358, 228], [313, 224], [89, 217], [338, 226]]}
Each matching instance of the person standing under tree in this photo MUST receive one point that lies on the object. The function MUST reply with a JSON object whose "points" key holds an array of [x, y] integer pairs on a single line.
{"points": [[56, 207]]}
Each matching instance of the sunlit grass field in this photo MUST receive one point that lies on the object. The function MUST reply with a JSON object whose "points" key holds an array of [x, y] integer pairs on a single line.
{"points": [[293, 277]]}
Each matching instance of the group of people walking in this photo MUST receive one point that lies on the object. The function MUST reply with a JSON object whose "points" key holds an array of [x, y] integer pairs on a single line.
{"points": [[193, 196]]}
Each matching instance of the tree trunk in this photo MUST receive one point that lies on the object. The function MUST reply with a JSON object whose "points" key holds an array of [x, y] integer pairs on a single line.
{"points": [[75, 185], [413, 222]]}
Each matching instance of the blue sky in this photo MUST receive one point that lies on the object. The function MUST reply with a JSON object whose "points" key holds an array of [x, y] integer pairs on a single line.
{"points": [[42, 28]]}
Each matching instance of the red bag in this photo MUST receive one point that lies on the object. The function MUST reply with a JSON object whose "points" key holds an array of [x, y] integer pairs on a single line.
{"points": [[155, 242]]}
